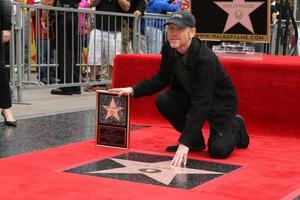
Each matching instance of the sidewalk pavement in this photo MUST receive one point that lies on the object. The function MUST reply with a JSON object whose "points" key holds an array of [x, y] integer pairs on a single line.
{"points": [[39, 102]]}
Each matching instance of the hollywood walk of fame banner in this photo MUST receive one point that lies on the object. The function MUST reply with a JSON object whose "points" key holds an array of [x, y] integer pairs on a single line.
{"points": [[232, 20], [112, 120]]}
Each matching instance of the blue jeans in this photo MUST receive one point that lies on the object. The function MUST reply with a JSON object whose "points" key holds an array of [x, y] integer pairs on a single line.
{"points": [[154, 39], [43, 61]]}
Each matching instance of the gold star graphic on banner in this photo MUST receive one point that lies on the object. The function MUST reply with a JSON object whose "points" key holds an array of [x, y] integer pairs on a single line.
{"points": [[238, 12]]}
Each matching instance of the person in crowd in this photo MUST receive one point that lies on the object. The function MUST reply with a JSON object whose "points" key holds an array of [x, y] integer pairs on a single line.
{"points": [[199, 90], [137, 7], [154, 29], [46, 40], [185, 5], [25, 30], [105, 39], [5, 100], [45, 35], [274, 12], [281, 8], [67, 52]]}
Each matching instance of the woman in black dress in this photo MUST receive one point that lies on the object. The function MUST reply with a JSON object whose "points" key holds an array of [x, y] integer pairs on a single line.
{"points": [[5, 98]]}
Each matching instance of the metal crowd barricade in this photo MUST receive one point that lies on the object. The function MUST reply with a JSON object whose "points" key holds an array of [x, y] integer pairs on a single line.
{"points": [[291, 40], [154, 32], [34, 55]]}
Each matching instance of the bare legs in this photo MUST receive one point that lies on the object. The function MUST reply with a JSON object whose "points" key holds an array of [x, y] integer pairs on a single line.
{"points": [[8, 114]]}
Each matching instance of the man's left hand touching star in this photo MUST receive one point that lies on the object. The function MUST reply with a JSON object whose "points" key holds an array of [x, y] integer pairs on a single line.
{"points": [[180, 158]]}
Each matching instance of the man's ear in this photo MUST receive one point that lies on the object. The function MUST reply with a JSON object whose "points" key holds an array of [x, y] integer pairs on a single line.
{"points": [[192, 32]]}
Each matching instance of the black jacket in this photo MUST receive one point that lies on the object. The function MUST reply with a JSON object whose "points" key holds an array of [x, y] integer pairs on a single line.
{"points": [[5, 23], [109, 22], [5, 15], [213, 96]]}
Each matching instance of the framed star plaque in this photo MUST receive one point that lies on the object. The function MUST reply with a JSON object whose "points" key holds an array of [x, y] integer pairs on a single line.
{"points": [[232, 20], [112, 120]]}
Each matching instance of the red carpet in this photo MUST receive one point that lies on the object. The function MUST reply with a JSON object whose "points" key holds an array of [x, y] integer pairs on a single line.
{"points": [[269, 100], [270, 171]]}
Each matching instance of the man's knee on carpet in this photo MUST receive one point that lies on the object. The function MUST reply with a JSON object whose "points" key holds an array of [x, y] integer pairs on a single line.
{"points": [[219, 151]]}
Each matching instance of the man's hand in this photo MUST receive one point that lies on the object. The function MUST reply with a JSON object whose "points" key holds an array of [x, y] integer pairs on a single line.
{"points": [[122, 91], [180, 158], [137, 14], [5, 36], [93, 3]]}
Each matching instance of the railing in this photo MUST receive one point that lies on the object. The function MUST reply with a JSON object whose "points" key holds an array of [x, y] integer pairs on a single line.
{"points": [[57, 56], [287, 45], [61, 60]]}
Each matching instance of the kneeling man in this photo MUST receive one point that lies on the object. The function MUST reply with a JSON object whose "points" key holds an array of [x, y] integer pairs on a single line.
{"points": [[200, 90]]}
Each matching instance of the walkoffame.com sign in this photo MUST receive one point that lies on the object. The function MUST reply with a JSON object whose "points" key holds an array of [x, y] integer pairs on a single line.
{"points": [[232, 20]]}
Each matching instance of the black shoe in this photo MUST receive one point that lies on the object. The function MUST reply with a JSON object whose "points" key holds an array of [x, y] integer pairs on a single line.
{"points": [[174, 149], [53, 80], [9, 123], [59, 91], [44, 81], [244, 137], [76, 90]]}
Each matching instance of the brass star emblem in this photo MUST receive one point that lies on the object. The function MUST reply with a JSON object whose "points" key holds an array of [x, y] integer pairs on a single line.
{"points": [[112, 110]]}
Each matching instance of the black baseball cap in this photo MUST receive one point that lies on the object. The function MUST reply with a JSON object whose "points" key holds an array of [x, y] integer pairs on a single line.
{"points": [[182, 19]]}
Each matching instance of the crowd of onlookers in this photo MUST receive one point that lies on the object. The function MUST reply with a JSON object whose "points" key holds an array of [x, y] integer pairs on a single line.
{"points": [[57, 53], [106, 37]]}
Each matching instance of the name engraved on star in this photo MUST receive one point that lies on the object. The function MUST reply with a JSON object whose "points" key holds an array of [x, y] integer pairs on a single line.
{"points": [[149, 170], [112, 123], [239, 6], [114, 136]]}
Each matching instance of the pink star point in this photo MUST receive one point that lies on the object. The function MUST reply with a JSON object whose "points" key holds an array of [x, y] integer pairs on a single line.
{"points": [[112, 110]]}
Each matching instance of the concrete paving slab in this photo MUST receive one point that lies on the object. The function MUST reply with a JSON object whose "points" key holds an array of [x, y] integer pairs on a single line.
{"points": [[39, 102]]}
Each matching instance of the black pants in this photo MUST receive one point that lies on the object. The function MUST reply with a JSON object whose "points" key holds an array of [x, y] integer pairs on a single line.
{"points": [[67, 49], [174, 106], [5, 98]]}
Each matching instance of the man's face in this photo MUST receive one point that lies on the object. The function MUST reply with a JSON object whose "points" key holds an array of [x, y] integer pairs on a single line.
{"points": [[178, 37]]}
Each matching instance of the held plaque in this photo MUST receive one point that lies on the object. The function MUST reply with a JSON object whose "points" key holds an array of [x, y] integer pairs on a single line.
{"points": [[112, 120]]}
